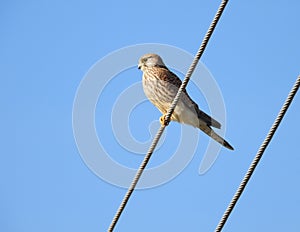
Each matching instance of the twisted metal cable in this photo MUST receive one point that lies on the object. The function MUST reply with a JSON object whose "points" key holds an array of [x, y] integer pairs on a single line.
{"points": [[136, 178], [259, 154], [168, 116], [196, 59]]}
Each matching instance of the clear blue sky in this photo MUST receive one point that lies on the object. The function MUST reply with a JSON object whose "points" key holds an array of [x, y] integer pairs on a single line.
{"points": [[47, 47]]}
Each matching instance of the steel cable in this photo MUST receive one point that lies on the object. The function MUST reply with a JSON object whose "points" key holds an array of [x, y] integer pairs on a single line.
{"points": [[259, 154], [168, 115]]}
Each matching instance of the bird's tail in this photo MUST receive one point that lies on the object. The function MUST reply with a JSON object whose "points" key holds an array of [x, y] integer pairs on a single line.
{"points": [[210, 132]]}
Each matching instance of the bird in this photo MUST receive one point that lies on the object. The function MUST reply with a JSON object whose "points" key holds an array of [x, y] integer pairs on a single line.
{"points": [[161, 85]]}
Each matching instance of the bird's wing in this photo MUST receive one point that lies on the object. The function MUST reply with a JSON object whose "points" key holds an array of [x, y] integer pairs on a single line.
{"points": [[206, 118], [166, 75], [172, 78]]}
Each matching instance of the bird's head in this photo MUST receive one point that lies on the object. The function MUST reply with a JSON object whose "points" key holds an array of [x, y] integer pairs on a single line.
{"points": [[150, 60]]}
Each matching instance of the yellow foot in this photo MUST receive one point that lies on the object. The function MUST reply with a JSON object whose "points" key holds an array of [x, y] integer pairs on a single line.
{"points": [[163, 120]]}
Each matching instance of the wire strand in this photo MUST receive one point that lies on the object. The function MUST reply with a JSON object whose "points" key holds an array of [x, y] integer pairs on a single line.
{"points": [[259, 154], [196, 59], [168, 115]]}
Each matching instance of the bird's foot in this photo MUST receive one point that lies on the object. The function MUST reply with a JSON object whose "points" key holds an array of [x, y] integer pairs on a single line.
{"points": [[163, 120]]}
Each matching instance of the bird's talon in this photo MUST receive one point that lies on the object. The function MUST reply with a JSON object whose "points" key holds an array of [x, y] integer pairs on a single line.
{"points": [[163, 120]]}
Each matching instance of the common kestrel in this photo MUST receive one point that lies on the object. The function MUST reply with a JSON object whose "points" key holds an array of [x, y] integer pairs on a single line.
{"points": [[161, 85]]}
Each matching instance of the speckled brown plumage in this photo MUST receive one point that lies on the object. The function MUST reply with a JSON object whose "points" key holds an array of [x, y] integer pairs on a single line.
{"points": [[161, 86]]}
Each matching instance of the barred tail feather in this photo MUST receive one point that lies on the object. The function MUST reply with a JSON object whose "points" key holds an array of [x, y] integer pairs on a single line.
{"points": [[210, 132]]}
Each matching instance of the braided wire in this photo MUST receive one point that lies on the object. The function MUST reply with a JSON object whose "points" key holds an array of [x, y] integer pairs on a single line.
{"points": [[196, 60], [259, 154], [136, 178], [168, 116]]}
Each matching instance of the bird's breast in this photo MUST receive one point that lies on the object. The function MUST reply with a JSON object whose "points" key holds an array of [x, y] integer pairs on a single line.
{"points": [[158, 89]]}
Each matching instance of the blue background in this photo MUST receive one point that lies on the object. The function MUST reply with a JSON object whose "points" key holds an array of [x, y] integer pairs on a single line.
{"points": [[46, 47]]}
